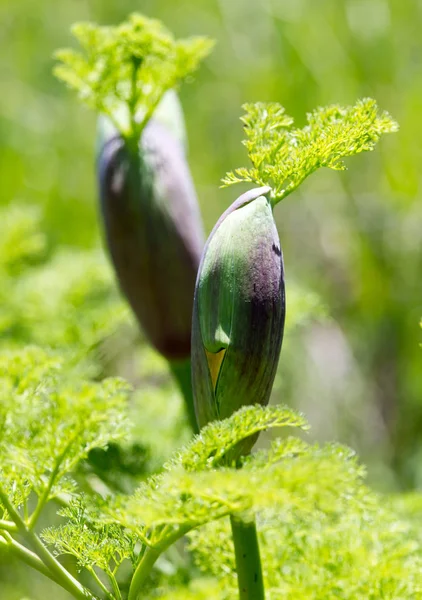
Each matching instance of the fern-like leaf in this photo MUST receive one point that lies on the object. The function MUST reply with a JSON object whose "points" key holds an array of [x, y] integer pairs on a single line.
{"points": [[282, 157], [124, 71]]}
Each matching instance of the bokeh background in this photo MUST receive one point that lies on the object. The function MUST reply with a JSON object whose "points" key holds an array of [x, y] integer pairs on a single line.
{"points": [[352, 241]]}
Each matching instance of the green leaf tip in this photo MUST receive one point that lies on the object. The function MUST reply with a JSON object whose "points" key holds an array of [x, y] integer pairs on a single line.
{"points": [[282, 156], [123, 71]]}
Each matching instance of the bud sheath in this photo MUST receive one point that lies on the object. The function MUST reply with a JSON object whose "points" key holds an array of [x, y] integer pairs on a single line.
{"points": [[154, 232], [239, 310]]}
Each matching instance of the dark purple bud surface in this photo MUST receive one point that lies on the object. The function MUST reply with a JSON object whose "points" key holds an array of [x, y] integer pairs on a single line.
{"points": [[239, 311], [153, 232]]}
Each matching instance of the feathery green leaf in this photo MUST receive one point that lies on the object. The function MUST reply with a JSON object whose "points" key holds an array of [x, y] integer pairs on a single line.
{"points": [[124, 71], [282, 157]]}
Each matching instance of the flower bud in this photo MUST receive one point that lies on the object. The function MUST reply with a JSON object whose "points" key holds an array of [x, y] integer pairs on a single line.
{"points": [[153, 231], [239, 310]]}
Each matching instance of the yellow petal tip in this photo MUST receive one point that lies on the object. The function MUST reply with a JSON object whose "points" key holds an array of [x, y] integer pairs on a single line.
{"points": [[214, 364]]}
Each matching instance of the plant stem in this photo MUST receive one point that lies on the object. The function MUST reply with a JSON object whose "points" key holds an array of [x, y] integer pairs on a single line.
{"points": [[148, 560], [42, 500], [132, 103], [142, 571], [182, 373], [150, 112], [66, 579], [91, 570], [248, 561], [60, 574], [26, 556], [8, 526], [115, 586]]}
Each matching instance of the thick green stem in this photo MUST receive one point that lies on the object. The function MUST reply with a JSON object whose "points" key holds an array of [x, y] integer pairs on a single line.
{"points": [[248, 560], [142, 571], [182, 373]]}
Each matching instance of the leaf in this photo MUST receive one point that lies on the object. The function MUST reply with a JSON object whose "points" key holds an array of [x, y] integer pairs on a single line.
{"points": [[197, 488], [90, 541], [209, 449], [50, 419], [282, 157], [125, 70]]}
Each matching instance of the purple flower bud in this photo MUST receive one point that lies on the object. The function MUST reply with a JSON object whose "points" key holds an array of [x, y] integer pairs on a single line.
{"points": [[239, 310], [154, 232]]}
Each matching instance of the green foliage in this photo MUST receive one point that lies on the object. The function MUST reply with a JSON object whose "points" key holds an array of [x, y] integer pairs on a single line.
{"points": [[22, 241], [83, 294], [310, 501], [360, 554], [49, 421], [289, 479], [322, 533], [312, 508], [127, 69], [91, 541], [191, 491], [354, 236], [62, 298], [217, 439], [282, 157]]}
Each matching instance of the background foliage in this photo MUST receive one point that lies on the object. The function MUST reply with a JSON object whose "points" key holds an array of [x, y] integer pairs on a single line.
{"points": [[351, 240]]}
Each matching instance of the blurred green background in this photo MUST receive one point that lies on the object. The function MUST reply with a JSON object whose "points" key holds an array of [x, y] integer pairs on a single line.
{"points": [[352, 238]]}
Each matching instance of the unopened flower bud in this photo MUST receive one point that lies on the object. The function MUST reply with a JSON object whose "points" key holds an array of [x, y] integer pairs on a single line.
{"points": [[153, 231], [239, 310]]}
